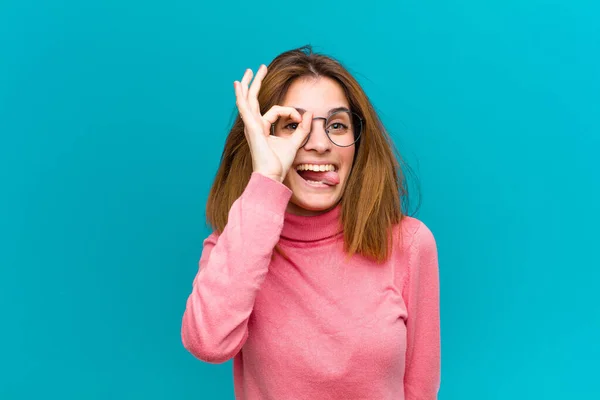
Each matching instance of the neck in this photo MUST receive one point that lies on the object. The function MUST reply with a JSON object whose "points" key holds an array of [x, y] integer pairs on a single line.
{"points": [[307, 226]]}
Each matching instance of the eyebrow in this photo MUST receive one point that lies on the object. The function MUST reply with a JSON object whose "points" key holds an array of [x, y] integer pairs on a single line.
{"points": [[333, 110]]}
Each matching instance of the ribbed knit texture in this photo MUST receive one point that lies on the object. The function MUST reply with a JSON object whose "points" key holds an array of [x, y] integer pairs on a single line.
{"points": [[315, 326]]}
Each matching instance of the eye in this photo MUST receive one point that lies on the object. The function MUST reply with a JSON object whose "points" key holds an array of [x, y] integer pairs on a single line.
{"points": [[292, 126], [338, 126]]}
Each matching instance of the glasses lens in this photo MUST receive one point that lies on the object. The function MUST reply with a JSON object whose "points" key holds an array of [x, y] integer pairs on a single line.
{"points": [[343, 128]]}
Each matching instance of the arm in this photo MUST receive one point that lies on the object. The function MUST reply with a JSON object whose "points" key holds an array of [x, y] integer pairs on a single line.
{"points": [[421, 294], [231, 270]]}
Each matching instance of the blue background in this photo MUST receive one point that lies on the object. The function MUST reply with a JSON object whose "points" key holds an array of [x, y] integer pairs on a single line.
{"points": [[112, 119]]}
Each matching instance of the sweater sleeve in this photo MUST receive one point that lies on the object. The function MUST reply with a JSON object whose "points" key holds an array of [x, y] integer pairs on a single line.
{"points": [[232, 267], [421, 294]]}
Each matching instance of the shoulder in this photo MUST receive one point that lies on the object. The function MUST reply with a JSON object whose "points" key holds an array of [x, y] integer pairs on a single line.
{"points": [[414, 236], [414, 252], [418, 255]]}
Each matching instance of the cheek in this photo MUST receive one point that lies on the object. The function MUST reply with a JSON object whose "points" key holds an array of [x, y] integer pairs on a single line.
{"points": [[347, 157]]}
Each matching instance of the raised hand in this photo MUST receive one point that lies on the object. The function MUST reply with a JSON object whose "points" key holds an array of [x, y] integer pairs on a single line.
{"points": [[272, 156]]}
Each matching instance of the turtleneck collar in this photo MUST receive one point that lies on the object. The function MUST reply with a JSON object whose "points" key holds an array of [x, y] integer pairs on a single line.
{"points": [[312, 228]]}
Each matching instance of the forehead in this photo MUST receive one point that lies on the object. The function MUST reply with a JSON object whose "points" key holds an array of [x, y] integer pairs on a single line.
{"points": [[315, 95]]}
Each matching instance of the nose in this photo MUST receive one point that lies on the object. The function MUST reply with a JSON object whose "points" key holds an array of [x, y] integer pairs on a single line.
{"points": [[317, 137]]}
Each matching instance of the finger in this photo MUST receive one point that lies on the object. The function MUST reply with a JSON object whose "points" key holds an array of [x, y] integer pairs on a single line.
{"points": [[277, 112], [240, 100], [245, 81], [255, 88], [303, 130]]}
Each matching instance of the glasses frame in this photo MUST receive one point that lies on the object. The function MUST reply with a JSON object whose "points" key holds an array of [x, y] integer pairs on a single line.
{"points": [[352, 114]]}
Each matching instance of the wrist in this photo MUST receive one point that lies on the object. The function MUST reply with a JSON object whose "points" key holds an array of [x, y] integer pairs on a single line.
{"points": [[276, 178]]}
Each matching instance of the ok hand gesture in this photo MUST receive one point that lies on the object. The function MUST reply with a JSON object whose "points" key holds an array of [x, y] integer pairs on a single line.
{"points": [[272, 156]]}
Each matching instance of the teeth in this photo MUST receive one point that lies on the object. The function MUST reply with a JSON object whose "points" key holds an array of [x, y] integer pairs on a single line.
{"points": [[315, 182], [314, 167]]}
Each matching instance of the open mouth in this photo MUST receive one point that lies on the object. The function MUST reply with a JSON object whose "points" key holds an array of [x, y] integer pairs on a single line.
{"points": [[319, 175]]}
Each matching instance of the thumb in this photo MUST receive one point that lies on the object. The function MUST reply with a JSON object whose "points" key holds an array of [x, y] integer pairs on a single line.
{"points": [[303, 130]]}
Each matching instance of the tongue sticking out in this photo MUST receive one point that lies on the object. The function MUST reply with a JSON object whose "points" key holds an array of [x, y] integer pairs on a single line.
{"points": [[330, 178]]}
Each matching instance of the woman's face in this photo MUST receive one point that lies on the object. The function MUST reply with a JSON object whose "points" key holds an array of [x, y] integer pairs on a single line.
{"points": [[320, 170]]}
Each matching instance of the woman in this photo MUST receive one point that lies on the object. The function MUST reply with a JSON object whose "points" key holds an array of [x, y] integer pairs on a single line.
{"points": [[313, 280]]}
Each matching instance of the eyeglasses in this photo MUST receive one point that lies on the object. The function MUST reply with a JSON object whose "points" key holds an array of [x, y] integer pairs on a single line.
{"points": [[343, 128]]}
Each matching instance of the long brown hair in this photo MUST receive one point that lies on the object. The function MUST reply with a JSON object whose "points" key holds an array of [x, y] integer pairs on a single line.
{"points": [[376, 187]]}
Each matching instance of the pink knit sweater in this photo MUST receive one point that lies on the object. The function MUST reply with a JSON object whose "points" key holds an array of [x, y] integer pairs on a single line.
{"points": [[318, 326]]}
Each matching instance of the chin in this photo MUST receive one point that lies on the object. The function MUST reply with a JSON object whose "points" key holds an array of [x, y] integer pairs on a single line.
{"points": [[301, 205], [308, 200]]}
